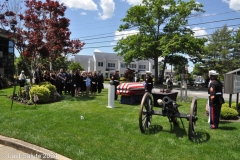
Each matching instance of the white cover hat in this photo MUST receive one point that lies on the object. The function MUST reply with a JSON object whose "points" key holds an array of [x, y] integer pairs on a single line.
{"points": [[149, 72], [211, 72]]}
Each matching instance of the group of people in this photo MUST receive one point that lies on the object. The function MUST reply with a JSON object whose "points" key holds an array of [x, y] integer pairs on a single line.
{"points": [[75, 82]]}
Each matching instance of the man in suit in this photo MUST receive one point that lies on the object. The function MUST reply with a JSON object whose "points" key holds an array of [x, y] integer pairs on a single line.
{"points": [[136, 78], [100, 81], [148, 82], [116, 81]]}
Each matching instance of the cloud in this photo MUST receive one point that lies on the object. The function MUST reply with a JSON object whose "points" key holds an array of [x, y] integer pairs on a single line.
{"points": [[233, 4], [83, 13], [97, 50], [199, 32], [108, 7], [133, 2], [124, 34], [80, 4]]}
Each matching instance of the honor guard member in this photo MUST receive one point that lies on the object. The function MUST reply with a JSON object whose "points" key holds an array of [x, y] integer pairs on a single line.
{"points": [[215, 99], [116, 81], [148, 82]]}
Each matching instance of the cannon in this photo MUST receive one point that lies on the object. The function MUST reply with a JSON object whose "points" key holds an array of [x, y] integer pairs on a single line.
{"points": [[169, 108]]}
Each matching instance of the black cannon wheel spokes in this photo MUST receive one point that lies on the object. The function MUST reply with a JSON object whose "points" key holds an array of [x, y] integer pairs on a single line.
{"points": [[145, 113], [192, 119]]}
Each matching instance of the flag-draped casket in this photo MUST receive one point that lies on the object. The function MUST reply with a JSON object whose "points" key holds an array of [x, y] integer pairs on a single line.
{"points": [[131, 88], [131, 92]]}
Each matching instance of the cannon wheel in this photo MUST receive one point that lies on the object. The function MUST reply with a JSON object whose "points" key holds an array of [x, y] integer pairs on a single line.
{"points": [[192, 118], [145, 115]]}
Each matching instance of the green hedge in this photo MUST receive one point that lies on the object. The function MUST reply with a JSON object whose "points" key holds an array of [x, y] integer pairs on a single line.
{"points": [[42, 92]]}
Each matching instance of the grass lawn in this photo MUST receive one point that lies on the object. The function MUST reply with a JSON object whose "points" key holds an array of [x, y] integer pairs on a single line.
{"points": [[106, 133]]}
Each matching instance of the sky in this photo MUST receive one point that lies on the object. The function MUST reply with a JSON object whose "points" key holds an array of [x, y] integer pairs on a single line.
{"points": [[96, 22]]}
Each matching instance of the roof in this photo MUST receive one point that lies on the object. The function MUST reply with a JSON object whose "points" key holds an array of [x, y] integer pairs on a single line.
{"points": [[236, 71], [82, 58], [101, 56]]}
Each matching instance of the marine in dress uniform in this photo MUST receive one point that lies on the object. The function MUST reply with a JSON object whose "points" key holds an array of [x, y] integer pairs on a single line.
{"points": [[148, 82], [215, 100], [116, 81]]}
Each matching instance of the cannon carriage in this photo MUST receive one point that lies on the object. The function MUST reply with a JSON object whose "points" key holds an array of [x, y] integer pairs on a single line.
{"points": [[169, 109]]}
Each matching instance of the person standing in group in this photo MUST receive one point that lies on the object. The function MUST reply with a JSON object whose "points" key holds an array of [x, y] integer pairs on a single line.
{"points": [[88, 84], [38, 76], [73, 83], [83, 82], [148, 82], [78, 82], [52, 78], [116, 81], [46, 76], [22, 79], [94, 83], [136, 78], [215, 100], [100, 81], [67, 88], [62, 78]]}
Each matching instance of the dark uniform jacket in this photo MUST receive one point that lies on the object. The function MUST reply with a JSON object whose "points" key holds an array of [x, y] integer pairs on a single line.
{"points": [[149, 84], [116, 79], [215, 89]]}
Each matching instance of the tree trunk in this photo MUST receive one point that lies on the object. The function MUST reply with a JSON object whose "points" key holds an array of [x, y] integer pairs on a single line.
{"points": [[156, 70]]}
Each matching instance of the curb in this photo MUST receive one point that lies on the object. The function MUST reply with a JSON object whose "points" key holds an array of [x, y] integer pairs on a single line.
{"points": [[31, 149]]}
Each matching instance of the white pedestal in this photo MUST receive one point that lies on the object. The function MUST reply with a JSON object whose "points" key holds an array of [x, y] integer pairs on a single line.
{"points": [[111, 94]]}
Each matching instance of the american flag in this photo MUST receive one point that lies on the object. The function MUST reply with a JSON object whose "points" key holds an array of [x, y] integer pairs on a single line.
{"points": [[35, 98]]}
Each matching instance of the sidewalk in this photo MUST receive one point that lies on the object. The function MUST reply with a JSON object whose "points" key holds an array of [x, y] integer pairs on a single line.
{"points": [[12, 149]]}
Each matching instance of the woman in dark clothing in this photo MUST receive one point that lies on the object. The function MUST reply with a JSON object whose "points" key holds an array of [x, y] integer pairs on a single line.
{"points": [[94, 83], [52, 78], [46, 76], [74, 83], [78, 85], [83, 82]]}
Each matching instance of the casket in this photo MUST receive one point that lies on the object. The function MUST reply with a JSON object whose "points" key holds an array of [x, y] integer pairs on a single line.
{"points": [[131, 88]]}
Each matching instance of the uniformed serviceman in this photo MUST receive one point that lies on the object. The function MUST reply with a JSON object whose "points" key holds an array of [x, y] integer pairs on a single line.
{"points": [[215, 100], [148, 82], [116, 81]]}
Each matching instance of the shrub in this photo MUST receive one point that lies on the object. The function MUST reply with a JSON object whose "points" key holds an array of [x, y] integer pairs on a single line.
{"points": [[42, 92], [122, 79], [106, 79], [225, 105], [51, 88], [229, 113], [234, 106]]}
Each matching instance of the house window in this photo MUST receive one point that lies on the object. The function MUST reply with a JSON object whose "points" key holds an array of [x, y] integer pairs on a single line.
{"points": [[153, 67], [111, 65], [142, 66], [100, 64], [132, 66], [123, 65]]}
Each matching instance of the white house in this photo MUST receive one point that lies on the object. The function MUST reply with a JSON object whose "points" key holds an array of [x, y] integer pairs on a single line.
{"points": [[109, 62]]}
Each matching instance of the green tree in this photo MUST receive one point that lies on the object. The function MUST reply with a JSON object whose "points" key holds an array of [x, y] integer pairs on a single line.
{"points": [[75, 65], [163, 31], [223, 51]]}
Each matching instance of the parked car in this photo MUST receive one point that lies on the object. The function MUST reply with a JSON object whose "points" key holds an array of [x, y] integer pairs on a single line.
{"points": [[199, 83]]}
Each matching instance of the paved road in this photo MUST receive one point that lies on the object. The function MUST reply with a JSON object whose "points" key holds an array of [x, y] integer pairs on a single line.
{"points": [[199, 92]]}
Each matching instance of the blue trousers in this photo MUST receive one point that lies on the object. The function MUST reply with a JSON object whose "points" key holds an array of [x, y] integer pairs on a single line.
{"points": [[214, 113]]}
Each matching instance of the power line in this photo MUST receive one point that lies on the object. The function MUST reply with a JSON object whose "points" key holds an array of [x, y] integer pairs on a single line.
{"points": [[187, 25], [162, 29], [144, 42], [127, 34]]}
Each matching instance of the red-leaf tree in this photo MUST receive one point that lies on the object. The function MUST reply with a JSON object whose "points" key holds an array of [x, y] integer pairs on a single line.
{"points": [[45, 34]]}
